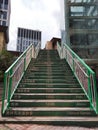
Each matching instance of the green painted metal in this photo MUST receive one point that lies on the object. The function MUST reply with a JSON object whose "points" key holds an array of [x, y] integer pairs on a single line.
{"points": [[10, 85], [8, 77], [91, 91]]}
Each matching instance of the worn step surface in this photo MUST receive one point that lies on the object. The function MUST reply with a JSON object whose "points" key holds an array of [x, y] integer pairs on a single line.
{"points": [[44, 111], [68, 96]]}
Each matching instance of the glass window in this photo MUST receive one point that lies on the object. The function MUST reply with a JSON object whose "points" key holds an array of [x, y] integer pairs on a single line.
{"points": [[29, 34], [1, 2], [19, 32], [6, 4], [4, 15], [77, 11], [34, 35], [23, 48], [40, 36], [0, 16], [4, 23], [6, 7], [0, 22]]}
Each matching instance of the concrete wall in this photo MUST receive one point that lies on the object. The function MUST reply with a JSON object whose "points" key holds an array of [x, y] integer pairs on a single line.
{"points": [[49, 45]]}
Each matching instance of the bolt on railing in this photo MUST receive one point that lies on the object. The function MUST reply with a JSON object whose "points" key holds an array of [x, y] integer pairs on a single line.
{"points": [[84, 74], [14, 74]]}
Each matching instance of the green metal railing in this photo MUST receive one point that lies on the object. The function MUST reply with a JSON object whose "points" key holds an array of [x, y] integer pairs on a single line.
{"points": [[83, 73], [14, 74]]}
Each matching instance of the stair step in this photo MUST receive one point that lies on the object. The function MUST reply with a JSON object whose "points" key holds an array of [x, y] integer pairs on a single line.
{"points": [[39, 77], [49, 76], [49, 96], [48, 85], [49, 103], [50, 72], [49, 90], [44, 111], [45, 74], [50, 69], [84, 121], [46, 81]]}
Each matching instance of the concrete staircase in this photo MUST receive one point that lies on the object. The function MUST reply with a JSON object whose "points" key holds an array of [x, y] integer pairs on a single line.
{"points": [[50, 93]]}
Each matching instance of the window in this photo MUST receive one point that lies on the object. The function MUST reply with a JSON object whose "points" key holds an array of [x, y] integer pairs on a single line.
{"points": [[18, 48], [24, 48], [4, 15], [6, 4], [40, 36], [19, 32], [4, 23], [0, 15], [1, 4]]}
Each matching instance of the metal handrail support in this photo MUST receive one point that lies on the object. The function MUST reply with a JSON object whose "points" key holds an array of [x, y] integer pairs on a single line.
{"points": [[14, 74], [84, 74]]}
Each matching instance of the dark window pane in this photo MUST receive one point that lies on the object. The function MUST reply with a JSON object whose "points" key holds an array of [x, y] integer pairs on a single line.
{"points": [[1, 1], [19, 32], [40, 36], [4, 15], [6, 2], [6, 7], [4, 23], [34, 34]]}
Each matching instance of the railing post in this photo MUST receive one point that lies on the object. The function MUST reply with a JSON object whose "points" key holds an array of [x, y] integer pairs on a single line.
{"points": [[3, 96], [97, 103], [66, 55], [96, 93], [10, 87], [73, 63], [89, 89], [24, 62], [31, 52]]}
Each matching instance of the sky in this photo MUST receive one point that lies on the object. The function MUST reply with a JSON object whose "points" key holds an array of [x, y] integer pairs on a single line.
{"points": [[43, 15]]}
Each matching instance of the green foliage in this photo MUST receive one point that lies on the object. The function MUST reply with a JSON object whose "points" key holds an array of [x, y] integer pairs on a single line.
{"points": [[6, 59]]}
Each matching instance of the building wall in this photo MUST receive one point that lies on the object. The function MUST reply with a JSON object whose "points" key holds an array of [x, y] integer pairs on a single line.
{"points": [[49, 45], [81, 26], [2, 41], [52, 44], [26, 37], [5, 10]]}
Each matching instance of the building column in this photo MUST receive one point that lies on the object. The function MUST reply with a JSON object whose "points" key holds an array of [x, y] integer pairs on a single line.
{"points": [[67, 37]]}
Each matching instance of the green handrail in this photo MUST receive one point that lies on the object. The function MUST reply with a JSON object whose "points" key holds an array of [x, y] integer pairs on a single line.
{"points": [[84, 74], [14, 74]]}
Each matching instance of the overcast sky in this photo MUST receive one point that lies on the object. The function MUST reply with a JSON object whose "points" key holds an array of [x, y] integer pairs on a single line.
{"points": [[43, 15]]}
